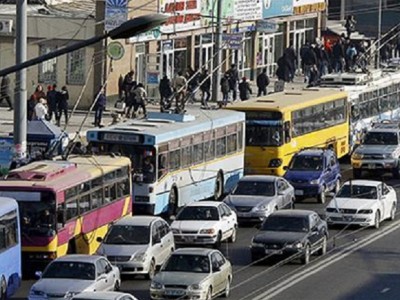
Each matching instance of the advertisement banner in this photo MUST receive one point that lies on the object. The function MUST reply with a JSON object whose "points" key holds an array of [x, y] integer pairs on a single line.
{"points": [[116, 13], [308, 6], [277, 8], [248, 10], [209, 10], [185, 15]]}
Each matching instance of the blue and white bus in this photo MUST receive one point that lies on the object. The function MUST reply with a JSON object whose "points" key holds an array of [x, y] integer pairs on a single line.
{"points": [[10, 248], [177, 158]]}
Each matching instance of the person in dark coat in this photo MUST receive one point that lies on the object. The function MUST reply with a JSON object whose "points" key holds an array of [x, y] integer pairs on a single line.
{"points": [[63, 97], [262, 83], [99, 107], [193, 83], [225, 89], [166, 92], [314, 77], [52, 102], [309, 59], [338, 56], [282, 71], [244, 89], [291, 61], [350, 25], [128, 83], [5, 91], [233, 80], [205, 86]]}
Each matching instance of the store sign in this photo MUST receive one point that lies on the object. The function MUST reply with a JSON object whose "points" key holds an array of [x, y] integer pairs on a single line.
{"points": [[267, 26], [185, 15], [151, 35], [116, 13], [308, 6], [232, 40], [277, 8], [247, 10]]}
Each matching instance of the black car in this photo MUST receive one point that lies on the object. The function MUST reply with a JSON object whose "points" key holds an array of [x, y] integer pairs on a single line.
{"points": [[290, 232]]}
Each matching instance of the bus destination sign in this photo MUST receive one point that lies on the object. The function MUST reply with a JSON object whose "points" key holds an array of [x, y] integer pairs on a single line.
{"points": [[120, 137]]}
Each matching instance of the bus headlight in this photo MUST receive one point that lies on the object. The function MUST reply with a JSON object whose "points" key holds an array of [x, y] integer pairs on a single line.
{"points": [[275, 163]]}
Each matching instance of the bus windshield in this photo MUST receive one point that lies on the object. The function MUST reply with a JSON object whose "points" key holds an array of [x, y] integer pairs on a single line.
{"points": [[264, 128], [142, 158], [37, 211]]}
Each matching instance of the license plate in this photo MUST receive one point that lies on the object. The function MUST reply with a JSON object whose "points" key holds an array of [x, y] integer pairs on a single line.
{"points": [[371, 166], [174, 292], [273, 251], [299, 192], [348, 219], [241, 214]]}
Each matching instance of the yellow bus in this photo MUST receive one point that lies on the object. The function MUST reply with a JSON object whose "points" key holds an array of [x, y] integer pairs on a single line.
{"points": [[280, 124]]}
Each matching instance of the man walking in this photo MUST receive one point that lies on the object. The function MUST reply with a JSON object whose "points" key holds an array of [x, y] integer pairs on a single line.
{"points": [[262, 83], [180, 86], [233, 80], [52, 103], [205, 86], [244, 89], [99, 106], [5, 91]]}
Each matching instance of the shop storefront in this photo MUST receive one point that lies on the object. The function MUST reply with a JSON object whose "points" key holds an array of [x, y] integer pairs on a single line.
{"points": [[203, 51]]}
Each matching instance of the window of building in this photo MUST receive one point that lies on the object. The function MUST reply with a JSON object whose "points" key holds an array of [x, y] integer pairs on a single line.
{"points": [[76, 67], [47, 69]]}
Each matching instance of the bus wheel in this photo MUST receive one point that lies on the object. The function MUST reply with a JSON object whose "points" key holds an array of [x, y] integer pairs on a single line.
{"points": [[172, 202], [219, 187], [3, 289]]}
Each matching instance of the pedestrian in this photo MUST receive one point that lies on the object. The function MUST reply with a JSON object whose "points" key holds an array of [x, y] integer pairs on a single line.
{"points": [[52, 103], [233, 81], [193, 83], [291, 61], [205, 86], [5, 91], [351, 55], [309, 59], [140, 99], [33, 100], [350, 25], [244, 89], [262, 83], [225, 89], [338, 56], [282, 72], [130, 99], [41, 110], [128, 83], [63, 98], [180, 87], [165, 89], [314, 77], [100, 105]]}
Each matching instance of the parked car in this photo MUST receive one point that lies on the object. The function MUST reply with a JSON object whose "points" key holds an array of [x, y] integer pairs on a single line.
{"points": [[137, 245], [103, 296], [362, 202], [193, 273], [72, 274], [256, 196], [313, 173], [205, 223], [300, 233]]}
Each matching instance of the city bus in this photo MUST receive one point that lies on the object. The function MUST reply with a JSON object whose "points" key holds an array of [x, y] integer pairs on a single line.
{"points": [[10, 248], [177, 158], [279, 125], [65, 205], [374, 96]]}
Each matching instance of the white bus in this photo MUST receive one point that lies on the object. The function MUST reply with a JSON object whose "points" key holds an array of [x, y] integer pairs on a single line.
{"points": [[177, 158]]}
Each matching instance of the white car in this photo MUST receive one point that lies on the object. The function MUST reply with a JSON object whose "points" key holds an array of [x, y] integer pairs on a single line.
{"points": [[137, 245], [362, 202], [72, 274], [205, 223], [103, 296]]}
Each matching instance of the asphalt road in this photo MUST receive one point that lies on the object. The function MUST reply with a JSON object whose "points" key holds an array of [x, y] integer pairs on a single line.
{"points": [[361, 263]]}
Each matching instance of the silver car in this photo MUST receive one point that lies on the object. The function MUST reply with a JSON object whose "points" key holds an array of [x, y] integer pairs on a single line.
{"points": [[137, 245], [257, 196], [72, 274], [193, 273], [104, 296]]}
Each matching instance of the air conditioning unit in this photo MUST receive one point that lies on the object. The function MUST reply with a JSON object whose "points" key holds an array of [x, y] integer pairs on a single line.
{"points": [[6, 26]]}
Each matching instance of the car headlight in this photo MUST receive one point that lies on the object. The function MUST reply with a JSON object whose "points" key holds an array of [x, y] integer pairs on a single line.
{"points": [[261, 207], [156, 285], [257, 245], [331, 210], [195, 287], [314, 181], [141, 256], [275, 163], [70, 295], [176, 231], [365, 211], [208, 231], [388, 155], [297, 245], [35, 292], [357, 156]]}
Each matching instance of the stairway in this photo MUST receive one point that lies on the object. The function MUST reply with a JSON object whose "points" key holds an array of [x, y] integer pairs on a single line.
{"points": [[337, 27]]}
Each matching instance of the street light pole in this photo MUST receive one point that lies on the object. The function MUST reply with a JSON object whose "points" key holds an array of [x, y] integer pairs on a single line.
{"points": [[379, 34], [20, 116], [217, 52]]}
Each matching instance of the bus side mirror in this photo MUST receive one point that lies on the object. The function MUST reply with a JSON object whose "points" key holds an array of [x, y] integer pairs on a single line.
{"points": [[286, 168]]}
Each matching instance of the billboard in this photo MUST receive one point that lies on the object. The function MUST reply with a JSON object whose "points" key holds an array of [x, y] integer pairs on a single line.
{"points": [[185, 15], [277, 8]]}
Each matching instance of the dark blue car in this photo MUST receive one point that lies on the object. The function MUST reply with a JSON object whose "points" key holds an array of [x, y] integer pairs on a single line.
{"points": [[313, 173]]}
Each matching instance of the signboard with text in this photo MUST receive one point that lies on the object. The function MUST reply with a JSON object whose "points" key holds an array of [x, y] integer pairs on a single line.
{"points": [[308, 6], [116, 13], [277, 8], [247, 10], [232, 40], [185, 15]]}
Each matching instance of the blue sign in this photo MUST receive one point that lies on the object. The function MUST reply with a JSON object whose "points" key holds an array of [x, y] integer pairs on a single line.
{"points": [[267, 26], [6, 154], [232, 40], [116, 13], [277, 8], [152, 78]]}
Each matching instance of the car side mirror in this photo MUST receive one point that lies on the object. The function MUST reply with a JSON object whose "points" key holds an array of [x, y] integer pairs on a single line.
{"points": [[172, 218], [329, 169], [38, 274], [285, 168], [99, 239]]}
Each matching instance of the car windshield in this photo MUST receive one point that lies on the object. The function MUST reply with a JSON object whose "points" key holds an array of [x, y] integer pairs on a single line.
{"points": [[358, 192], [70, 269], [306, 163], [286, 223], [187, 263], [381, 138], [128, 235], [198, 213], [254, 188]]}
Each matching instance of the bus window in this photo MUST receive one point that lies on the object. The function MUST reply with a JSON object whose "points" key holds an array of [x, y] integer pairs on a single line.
{"points": [[60, 215], [198, 153], [162, 164], [287, 132], [148, 169], [71, 209], [174, 160], [123, 188], [231, 143], [209, 148], [97, 199], [2, 238], [84, 203]]}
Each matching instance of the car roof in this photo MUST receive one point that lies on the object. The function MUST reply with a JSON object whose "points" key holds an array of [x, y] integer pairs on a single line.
{"points": [[79, 258], [267, 178], [137, 220], [363, 182], [314, 151], [193, 251], [100, 295], [205, 203], [293, 213]]}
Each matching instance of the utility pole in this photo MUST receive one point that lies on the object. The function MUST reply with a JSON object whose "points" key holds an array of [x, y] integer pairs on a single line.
{"points": [[342, 9], [378, 52], [217, 53], [20, 116]]}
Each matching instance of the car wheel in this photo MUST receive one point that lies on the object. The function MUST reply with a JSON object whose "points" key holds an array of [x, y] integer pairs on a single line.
{"points": [[232, 238], [322, 251], [337, 186], [219, 187], [209, 294], [3, 289], [219, 240], [306, 256], [117, 285], [152, 270], [227, 288], [322, 195], [356, 173], [393, 212], [172, 202], [377, 220]]}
